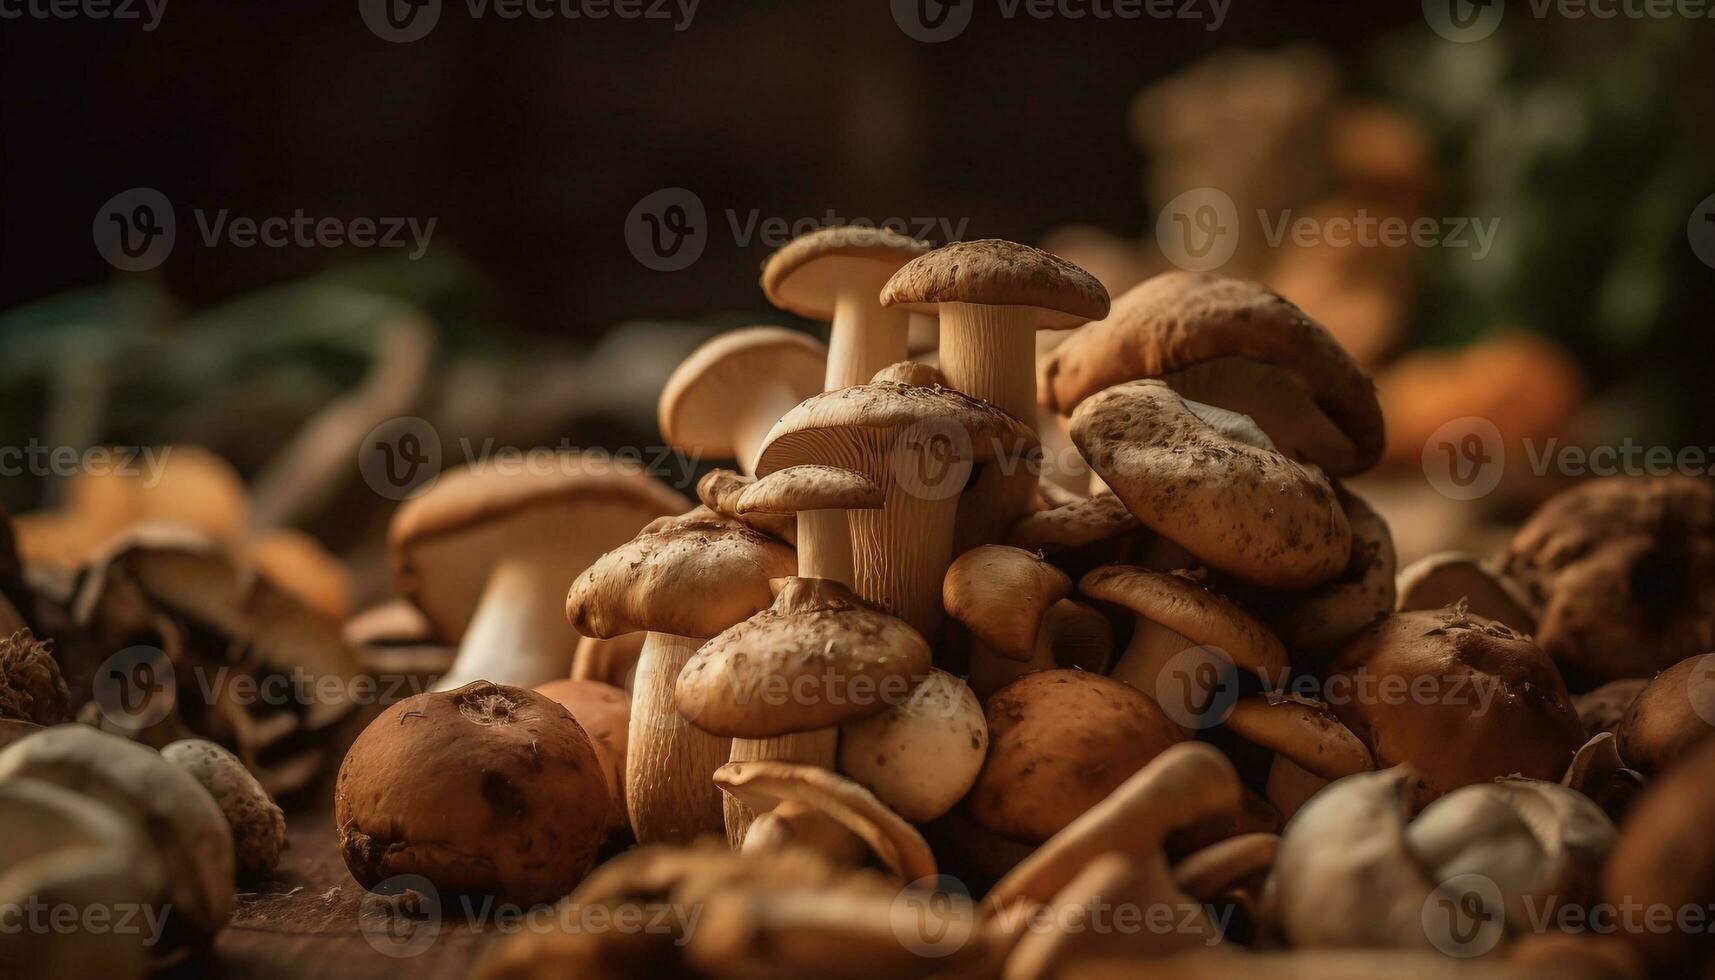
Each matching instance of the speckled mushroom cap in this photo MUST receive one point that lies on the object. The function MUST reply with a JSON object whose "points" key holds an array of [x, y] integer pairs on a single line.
{"points": [[1000, 593], [1303, 731], [1179, 320], [690, 577], [1447, 578], [993, 272], [1082, 522], [762, 786], [1458, 698], [818, 657], [1182, 605], [697, 403], [863, 414], [1249, 512], [1324, 618], [1669, 717], [810, 487], [804, 275], [1622, 572], [445, 542], [720, 490]]}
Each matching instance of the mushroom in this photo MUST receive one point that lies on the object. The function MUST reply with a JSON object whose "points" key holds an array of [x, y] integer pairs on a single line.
{"points": [[782, 682], [917, 444], [1232, 344], [720, 490], [1252, 513], [486, 551], [395, 639], [1598, 772], [1311, 748], [913, 373], [299, 564], [790, 799], [1001, 594], [488, 789], [836, 274], [1072, 635], [1665, 860], [1082, 534], [1237, 863], [1324, 618], [31, 688], [922, 755], [682, 580], [186, 833], [1669, 717], [604, 711], [821, 497], [722, 400], [258, 826], [1600, 710], [1448, 577], [611, 662], [1457, 697], [1175, 617], [1060, 741], [1618, 571]]}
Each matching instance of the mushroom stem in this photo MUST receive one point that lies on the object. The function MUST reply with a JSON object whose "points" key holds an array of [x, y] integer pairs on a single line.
{"points": [[989, 352], [1152, 647], [817, 748], [864, 336], [825, 546], [764, 407], [669, 763], [518, 635]]}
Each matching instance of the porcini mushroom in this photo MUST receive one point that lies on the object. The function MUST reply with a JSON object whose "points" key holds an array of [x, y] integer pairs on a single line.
{"points": [[1448, 577], [487, 554], [922, 755], [821, 497], [836, 274], [1249, 512], [1669, 717], [722, 400]]}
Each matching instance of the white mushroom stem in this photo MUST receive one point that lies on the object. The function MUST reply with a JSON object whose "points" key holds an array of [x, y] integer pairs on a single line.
{"points": [[817, 748], [518, 634], [767, 402], [1152, 647], [864, 336], [669, 763], [989, 352], [825, 546], [1290, 785]]}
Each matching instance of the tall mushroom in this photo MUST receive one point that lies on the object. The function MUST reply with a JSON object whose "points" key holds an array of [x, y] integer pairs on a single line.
{"points": [[782, 682], [682, 580], [836, 274], [487, 553], [722, 400], [821, 497]]}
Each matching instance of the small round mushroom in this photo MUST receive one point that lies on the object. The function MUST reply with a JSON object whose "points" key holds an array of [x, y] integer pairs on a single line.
{"points": [[1252, 513], [258, 826], [1669, 717], [1072, 635], [1001, 593], [1311, 748], [821, 497], [488, 789], [836, 274], [1600, 710], [1236, 345], [922, 755], [31, 688], [721, 401], [1447, 578], [1059, 742]]}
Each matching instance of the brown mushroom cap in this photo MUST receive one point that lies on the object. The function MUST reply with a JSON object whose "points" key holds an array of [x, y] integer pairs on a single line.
{"points": [[1000, 594], [817, 658], [921, 756], [1249, 512], [1669, 717], [697, 405], [1059, 742], [1620, 570], [720, 489], [1449, 577], [1180, 321], [1191, 610], [805, 274], [1304, 731], [604, 711], [1600, 710], [486, 789], [859, 414], [1666, 859], [684, 577], [447, 541], [992, 272], [809, 487], [1324, 618], [1470, 701], [914, 373]]}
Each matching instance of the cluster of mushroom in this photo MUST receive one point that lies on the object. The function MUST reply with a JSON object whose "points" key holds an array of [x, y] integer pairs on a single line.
{"points": [[910, 633]]}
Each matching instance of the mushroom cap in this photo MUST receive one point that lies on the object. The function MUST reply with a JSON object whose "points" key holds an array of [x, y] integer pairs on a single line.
{"points": [[762, 786], [1059, 742], [1249, 512], [1620, 571], [914, 373], [720, 490], [805, 275], [697, 404], [817, 658], [1471, 701], [686, 577], [258, 825], [1302, 730], [1075, 525], [1669, 717], [445, 542], [1449, 577], [811, 486], [1600, 710], [1179, 320], [1194, 612], [604, 711], [861, 414], [1000, 593], [923, 754], [993, 272], [487, 789], [1666, 858], [301, 565], [1325, 617]]}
